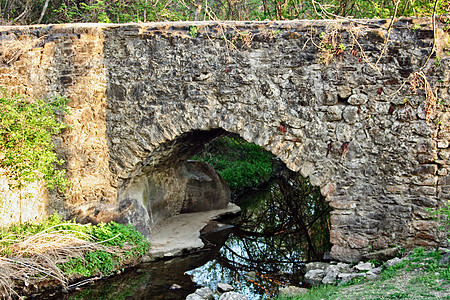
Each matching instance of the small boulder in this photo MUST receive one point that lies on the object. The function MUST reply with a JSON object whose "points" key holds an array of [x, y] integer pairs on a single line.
{"points": [[205, 293], [224, 287], [314, 277], [392, 262], [331, 274], [376, 271], [364, 266], [232, 296], [291, 291], [194, 296], [357, 99], [343, 267], [371, 275]]}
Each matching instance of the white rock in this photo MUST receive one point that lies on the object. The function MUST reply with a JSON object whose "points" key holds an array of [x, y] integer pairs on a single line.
{"points": [[205, 293], [362, 266], [224, 287], [392, 262], [194, 297], [232, 296]]}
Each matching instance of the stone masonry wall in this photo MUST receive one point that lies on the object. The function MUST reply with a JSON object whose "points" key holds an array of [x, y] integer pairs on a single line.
{"points": [[145, 97]]}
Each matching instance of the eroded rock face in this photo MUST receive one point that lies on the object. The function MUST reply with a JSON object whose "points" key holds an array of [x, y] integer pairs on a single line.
{"points": [[186, 187], [204, 188]]}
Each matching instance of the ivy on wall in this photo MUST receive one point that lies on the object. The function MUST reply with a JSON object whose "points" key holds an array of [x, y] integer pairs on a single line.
{"points": [[26, 148]]}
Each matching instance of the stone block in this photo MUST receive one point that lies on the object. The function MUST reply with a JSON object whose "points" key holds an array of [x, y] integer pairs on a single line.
{"points": [[350, 114], [357, 99], [344, 254], [426, 169]]}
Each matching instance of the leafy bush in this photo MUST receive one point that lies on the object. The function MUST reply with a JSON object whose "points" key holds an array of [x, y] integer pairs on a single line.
{"points": [[26, 148], [241, 164], [121, 11]]}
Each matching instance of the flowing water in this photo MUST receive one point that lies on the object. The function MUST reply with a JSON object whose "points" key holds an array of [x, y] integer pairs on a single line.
{"points": [[283, 224]]}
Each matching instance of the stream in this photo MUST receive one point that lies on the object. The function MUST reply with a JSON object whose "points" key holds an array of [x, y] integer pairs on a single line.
{"points": [[283, 224]]}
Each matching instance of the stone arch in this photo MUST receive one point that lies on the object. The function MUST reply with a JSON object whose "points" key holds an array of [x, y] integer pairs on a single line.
{"points": [[135, 87], [157, 184]]}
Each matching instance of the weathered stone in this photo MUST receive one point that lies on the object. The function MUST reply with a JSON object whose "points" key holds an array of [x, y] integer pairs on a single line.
{"points": [[194, 296], [392, 262], [425, 169], [232, 296], [357, 99], [331, 274], [364, 266], [316, 265], [292, 291], [314, 277], [334, 113], [343, 268], [376, 271], [442, 144], [382, 255], [345, 254], [350, 114], [371, 275]]}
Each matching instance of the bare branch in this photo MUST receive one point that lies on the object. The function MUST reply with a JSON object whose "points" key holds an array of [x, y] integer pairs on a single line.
{"points": [[43, 11]]}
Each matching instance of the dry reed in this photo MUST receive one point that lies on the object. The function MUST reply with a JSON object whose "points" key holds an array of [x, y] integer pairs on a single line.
{"points": [[35, 258]]}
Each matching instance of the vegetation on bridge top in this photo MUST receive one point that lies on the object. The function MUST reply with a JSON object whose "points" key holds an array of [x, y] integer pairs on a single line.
{"points": [[122, 11]]}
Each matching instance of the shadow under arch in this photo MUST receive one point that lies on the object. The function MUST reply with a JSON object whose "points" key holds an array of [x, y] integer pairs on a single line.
{"points": [[166, 182]]}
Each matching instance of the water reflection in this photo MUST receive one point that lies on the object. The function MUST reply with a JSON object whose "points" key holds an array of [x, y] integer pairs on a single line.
{"points": [[283, 225]]}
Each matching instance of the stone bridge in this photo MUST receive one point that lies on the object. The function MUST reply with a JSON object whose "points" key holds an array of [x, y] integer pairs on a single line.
{"points": [[325, 97]]}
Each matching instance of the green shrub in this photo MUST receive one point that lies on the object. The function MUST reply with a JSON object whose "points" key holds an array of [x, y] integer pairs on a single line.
{"points": [[26, 129], [241, 164]]}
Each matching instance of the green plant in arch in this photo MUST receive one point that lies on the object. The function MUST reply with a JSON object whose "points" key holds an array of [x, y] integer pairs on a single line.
{"points": [[26, 148]]}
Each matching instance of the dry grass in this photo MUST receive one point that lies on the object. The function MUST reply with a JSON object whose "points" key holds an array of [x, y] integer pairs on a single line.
{"points": [[419, 81], [35, 258]]}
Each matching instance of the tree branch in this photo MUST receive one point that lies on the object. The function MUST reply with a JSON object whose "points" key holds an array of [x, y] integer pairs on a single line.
{"points": [[43, 11]]}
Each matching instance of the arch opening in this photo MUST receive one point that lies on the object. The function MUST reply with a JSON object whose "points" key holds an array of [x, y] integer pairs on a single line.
{"points": [[175, 179]]}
